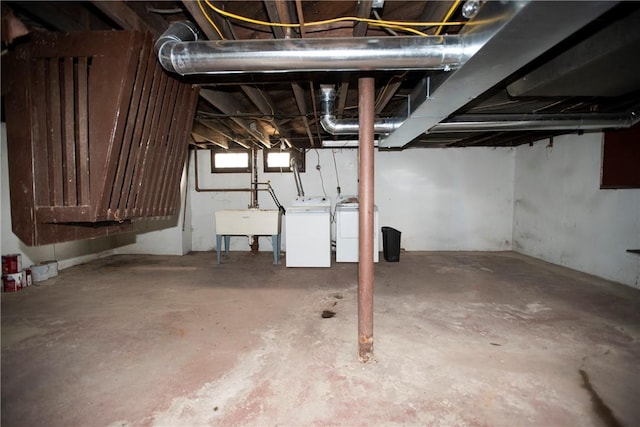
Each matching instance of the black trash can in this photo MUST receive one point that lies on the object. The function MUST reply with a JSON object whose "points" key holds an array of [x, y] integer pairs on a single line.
{"points": [[391, 244]]}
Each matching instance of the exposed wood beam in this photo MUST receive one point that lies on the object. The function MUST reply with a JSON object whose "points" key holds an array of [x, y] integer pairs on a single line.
{"points": [[51, 14], [315, 112], [273, 8], [343, 90], [298, 93], [125, 17], [363, 10], [224, 102], [155, 20], [198, 141], [279, 12], [204, 25], [259, 99], [254, 94], [209, 134], [388, 92], [225, 131], [300, 17], [194, 9], [265, 105]]}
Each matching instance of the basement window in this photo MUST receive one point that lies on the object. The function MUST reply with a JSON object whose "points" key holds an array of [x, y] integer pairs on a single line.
{"points": [[279, 160], [230, 161]]}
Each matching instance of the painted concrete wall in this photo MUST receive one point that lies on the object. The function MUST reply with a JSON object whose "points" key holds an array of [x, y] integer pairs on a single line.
{"points": [[542, 201], [150, 237], [440, 199], [561, 215], [447, 199]]}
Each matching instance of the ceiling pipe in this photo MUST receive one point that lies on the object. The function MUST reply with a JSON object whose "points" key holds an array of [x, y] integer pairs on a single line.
{"points": [[524, 122], [348, 126], [179, 51]]}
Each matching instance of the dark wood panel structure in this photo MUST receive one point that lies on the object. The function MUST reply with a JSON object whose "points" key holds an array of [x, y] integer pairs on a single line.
{"points": [[621, 159], [97, 135]]}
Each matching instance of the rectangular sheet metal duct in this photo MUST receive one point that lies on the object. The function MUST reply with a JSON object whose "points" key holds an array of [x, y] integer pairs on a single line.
{"points": [[513, 34]]}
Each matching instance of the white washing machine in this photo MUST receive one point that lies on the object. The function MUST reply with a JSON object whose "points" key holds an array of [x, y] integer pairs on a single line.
{"points": [[347, 225], [308, 232]]}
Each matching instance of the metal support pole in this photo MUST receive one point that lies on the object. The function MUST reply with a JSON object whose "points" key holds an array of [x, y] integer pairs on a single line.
{"points": [[255, 245], [365, 192]]}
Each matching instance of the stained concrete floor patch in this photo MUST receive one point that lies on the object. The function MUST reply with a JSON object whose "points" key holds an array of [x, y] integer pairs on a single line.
{"points": [[526, 344]]}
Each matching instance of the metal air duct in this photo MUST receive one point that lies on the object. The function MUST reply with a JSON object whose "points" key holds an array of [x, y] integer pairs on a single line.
{"points": [[348, 126], [179, 51], [296, 176], [535, 122]]}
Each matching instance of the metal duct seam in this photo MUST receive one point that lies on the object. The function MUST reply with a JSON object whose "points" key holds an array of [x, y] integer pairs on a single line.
{"points": [[176, 32]]}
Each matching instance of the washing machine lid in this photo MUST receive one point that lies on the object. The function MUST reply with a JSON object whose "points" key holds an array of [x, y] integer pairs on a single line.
{"points": [[301, 210], [351, 207], [347, 208], [347, 200], [311, 201]]}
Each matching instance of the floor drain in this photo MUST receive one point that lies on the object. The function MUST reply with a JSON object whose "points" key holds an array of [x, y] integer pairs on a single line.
{"points": [[327, 314]]}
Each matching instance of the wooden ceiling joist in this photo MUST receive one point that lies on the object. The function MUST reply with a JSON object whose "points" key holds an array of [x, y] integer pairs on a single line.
{"points": [[224, 102], [209, 134], [126, 17]]}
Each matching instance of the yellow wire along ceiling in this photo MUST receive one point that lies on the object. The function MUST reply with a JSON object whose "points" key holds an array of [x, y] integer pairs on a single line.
{"points": [[395, 25]]}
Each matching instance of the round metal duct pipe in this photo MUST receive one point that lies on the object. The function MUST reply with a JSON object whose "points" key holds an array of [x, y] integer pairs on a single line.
{"points": [[561, 122], [348, 126], [180, 51]]}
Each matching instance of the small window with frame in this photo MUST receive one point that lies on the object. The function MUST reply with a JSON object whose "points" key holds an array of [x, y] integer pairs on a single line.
{"points": [[230, 161], [276, 160]]}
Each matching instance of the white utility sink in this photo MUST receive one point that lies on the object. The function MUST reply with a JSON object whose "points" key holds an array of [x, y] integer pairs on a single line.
{"points": [[248, 222]]}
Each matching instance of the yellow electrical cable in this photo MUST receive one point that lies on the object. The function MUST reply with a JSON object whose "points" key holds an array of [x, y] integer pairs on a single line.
{"points": [[399, 25], [374, 22], [213, 24], [448, 15]]}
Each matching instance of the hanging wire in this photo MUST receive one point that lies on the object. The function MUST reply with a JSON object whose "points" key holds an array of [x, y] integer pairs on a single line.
{"points": [[335, 165], [396, 25], [389, 30], [319, 169]]}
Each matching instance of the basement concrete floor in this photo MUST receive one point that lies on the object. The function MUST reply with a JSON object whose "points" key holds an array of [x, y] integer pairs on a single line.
{"points": [[496, 339]]}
